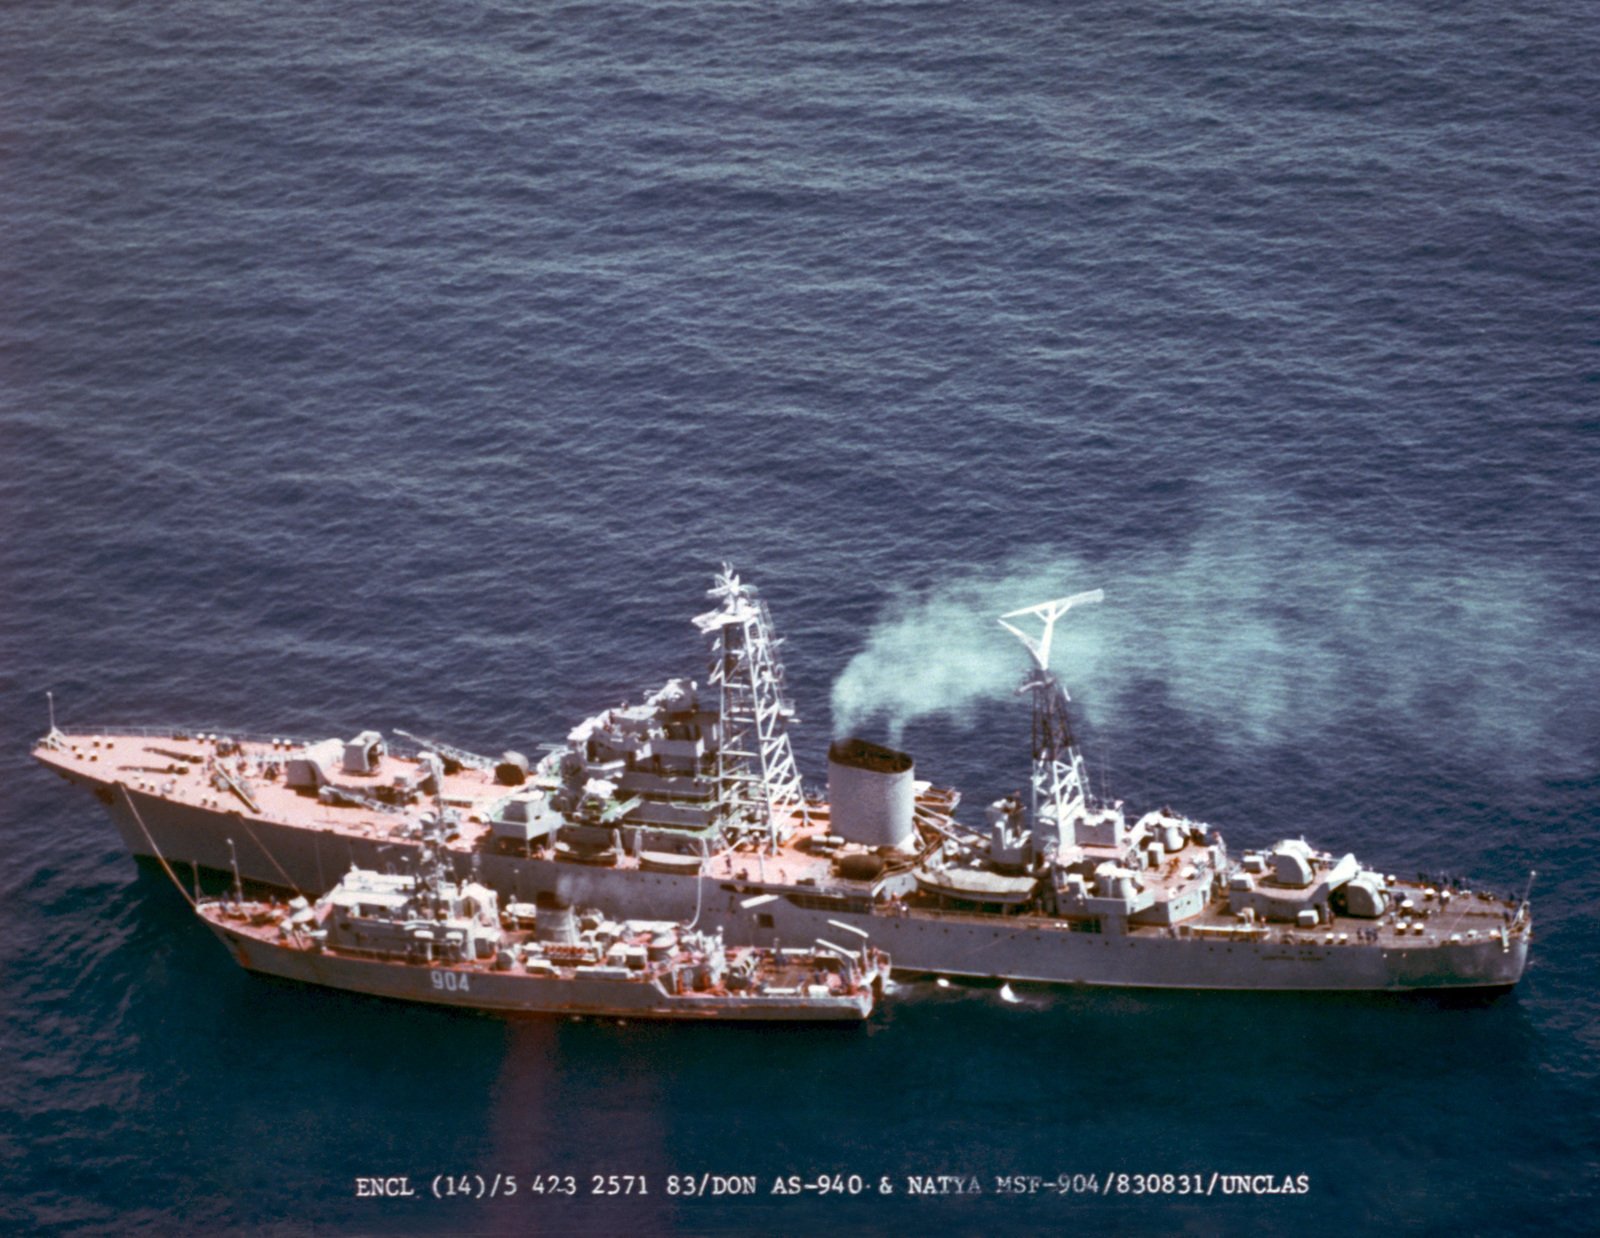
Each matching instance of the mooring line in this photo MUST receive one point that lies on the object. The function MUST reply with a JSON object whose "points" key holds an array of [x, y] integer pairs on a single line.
{"points": [[125, 795]]}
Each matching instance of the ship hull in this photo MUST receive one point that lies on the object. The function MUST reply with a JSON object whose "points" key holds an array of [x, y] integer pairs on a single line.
{"points": [[509, 992], [1001, 947]]}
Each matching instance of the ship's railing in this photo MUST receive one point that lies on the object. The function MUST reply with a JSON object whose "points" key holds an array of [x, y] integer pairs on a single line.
{"points": [[185, 732], [180, 733], [892, 910]]}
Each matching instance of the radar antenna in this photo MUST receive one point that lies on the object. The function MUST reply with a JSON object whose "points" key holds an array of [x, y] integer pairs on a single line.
{"points": [[757, 778], [1060, 782]]}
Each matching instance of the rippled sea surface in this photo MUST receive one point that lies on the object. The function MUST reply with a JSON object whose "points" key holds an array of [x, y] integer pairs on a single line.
{"points": [[416, 364]]}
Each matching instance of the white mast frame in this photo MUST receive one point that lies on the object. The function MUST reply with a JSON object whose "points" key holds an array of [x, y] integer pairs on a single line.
{"points": [[758, 780], [1060, 781]]}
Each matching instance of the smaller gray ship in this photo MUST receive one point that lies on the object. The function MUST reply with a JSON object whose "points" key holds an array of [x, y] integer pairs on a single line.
{"points": [[429, 938]]}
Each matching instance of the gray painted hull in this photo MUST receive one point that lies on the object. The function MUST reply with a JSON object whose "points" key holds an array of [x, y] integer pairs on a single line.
{"points": [[468, 988], [977, 946]]}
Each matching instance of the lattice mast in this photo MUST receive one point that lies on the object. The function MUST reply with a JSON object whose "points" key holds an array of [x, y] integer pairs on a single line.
{"points": [[1060, 781], [757, 778]]}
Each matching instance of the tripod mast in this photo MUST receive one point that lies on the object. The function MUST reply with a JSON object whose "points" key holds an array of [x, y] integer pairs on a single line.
{"points": [[1060, 781]]}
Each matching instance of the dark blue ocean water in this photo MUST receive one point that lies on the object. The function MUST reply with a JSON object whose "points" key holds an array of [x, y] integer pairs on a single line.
{"points": [[415, 364]]}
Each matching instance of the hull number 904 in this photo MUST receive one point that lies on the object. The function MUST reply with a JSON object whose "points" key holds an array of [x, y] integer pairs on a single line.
{"points": [[451, 981]]}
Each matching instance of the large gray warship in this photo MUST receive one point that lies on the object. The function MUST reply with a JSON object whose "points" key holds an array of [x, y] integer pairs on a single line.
{"points": [[688, 805]]}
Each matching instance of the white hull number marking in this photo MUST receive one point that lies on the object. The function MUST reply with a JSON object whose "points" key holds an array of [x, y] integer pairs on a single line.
{"points": [[453, 981]]}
